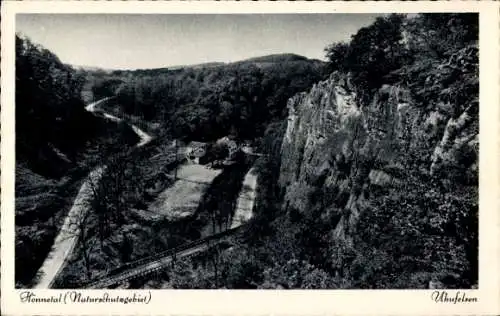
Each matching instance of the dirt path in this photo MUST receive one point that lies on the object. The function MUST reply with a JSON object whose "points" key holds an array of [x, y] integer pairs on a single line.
{"points": [[92, 106], [68, 235], [145, 138], [246, 200]]}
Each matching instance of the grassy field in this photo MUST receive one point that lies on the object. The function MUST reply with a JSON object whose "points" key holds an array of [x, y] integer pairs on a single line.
{"points": [[182, 198]]}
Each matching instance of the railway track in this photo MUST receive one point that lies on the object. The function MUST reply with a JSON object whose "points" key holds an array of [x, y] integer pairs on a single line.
{"points": [[148, 265]]}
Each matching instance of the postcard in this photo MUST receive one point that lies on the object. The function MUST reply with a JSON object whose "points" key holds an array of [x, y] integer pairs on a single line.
{"points": [[250, 158]]}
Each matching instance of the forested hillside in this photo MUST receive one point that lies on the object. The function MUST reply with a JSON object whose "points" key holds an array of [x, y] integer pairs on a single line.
{"points": [[52, 126], [372, 181], [57, 141], [210, 102], [47, 103], [367, 165]]}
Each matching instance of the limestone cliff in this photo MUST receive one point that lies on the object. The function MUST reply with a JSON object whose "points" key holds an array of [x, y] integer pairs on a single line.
{"points": [[337, 151]]}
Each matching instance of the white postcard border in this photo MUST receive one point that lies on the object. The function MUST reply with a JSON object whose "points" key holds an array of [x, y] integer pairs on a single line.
{"points": [[290, 302]]}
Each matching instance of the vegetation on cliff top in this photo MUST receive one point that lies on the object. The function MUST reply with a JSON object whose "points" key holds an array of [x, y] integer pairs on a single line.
{"points": [[422, 230]]}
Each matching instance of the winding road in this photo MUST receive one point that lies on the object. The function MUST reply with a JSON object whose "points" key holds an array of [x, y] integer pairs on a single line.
{"points": [[67, 238]]}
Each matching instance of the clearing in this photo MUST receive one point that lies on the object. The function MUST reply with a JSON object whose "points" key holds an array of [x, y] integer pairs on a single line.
{"points": [[183, 197]]}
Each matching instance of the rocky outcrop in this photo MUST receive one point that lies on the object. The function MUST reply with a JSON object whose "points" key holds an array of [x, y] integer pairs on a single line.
{"points": [[337, 152]]}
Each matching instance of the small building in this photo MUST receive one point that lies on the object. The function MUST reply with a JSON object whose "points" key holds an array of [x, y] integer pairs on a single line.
{"points": [[196, 150], [230, 144]]}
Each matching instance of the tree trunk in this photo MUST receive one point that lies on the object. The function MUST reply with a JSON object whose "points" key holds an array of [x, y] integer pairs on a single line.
{"points": [[86, 259], [215, 257]]}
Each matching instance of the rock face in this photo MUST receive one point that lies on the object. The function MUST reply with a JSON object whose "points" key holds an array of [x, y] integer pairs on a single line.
{"points": [[336, 152]]}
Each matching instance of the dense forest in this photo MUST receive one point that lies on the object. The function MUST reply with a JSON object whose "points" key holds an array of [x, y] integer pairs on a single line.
{"points": [[52, 127], [206, 103], [351, 193]]}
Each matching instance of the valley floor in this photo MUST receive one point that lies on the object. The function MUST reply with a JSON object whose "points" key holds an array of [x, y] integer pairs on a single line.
{"points": [[242, 214], [183, 211], [182, 198]]}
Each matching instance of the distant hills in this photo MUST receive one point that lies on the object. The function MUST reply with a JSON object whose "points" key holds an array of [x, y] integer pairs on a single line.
{"points": [[270, 60], [276, 58], [198, 66], [258, 61], [91, 68]]}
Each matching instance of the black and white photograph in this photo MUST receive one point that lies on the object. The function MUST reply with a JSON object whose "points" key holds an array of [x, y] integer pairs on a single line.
{"points": [[247, 151], [323, 158], [250, 158]]}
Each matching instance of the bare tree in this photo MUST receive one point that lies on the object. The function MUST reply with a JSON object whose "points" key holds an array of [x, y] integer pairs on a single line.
{"points": [[91, 223], [81, 230], [176, 158], [111, 194], [97, 205], [114, 185]]}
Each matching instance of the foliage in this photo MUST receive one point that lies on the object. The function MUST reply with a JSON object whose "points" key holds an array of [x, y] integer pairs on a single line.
{"points": [[425, 228], [207, 103], [47, 106], [421, 229], [439, 35], [373, 52], [395, 41], [52, 127], [57, 142]]}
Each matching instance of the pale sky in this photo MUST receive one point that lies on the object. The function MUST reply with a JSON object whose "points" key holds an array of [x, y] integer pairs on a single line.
{"points": [[150, 41]]}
